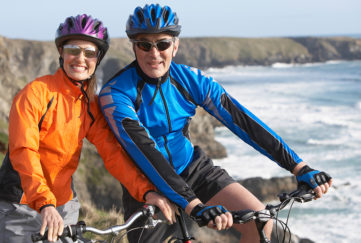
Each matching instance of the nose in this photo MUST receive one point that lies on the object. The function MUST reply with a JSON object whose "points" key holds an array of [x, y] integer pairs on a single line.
{"points": [[81, 56], [153, 51]]}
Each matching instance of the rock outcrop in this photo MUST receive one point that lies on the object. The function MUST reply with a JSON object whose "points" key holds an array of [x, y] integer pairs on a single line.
{"points": [[22, 60], [202, 134]]}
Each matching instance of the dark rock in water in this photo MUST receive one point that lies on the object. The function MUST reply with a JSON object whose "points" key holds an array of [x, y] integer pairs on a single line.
{"points": [[268, 189]]}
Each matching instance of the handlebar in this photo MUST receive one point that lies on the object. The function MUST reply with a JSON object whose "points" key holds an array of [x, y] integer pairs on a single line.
{"points": [[302, 194], [75, 231]]}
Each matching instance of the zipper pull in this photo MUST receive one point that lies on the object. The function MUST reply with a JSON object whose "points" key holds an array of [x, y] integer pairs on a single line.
{"points": [[155, 92]]}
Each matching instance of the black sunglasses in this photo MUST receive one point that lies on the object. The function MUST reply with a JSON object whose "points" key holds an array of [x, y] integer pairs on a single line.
{"points": [[160, 45], [75, 50]]}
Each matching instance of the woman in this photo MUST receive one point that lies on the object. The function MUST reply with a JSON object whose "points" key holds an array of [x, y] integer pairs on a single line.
{"points": [[149, 105], [48, 121]]}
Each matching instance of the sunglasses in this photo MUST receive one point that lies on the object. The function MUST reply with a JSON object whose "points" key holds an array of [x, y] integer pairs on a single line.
{"points": [[160, 45], [89, 52]]}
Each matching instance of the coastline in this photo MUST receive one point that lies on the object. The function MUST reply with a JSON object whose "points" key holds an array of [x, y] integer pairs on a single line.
{"points": [[16, 70]]}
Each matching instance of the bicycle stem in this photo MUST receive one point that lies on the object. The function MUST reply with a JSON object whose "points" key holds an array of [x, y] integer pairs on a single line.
{"points": [[185, 233]]}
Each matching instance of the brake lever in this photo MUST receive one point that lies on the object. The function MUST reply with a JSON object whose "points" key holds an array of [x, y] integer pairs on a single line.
{"points": [[304, 193], [153, 222], [243, 216]]}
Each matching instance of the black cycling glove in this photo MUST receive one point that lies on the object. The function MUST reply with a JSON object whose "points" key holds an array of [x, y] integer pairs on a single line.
{"points": [[312, 177], [202, 214]]}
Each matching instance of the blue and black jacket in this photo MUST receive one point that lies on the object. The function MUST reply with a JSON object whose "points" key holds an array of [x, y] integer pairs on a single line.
{"points": [[150, 118]]}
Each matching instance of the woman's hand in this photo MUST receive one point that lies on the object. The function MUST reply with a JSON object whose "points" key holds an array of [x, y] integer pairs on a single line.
{"points": [[168, 209], [54, 222]]}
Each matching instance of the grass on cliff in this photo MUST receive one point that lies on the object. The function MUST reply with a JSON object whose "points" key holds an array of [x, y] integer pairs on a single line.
{"points": [[208, 52], [101, 219], [99, 193], [4, 140]]}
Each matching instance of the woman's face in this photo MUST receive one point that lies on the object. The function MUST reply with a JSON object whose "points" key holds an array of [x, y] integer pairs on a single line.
{"points": [[155, 63], [80, 59]]}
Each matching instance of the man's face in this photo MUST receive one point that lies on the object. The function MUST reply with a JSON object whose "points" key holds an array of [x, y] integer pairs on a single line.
{"points": [[154, 61]]}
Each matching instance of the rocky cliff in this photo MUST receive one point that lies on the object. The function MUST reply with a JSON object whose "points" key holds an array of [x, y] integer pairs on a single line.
{"points": [[22, 60]]}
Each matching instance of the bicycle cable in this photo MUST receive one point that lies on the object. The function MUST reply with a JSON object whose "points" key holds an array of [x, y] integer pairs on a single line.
{"points": [[284, 225]]}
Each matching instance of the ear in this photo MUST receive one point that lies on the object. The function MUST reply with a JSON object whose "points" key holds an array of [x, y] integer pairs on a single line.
{"points": [[175, 47], [60, 50]]}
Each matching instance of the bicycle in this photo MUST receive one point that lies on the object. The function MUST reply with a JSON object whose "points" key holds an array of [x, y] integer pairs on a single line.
{"points": [[302, 194]]}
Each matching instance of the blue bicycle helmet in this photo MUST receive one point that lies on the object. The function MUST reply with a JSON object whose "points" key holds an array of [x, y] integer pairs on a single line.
{"points": [[153, 19]]}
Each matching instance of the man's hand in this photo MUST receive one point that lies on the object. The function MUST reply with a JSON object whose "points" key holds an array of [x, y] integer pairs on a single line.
{"points": [[215, 217], [168, 209], [319, 181], [51, 219]]}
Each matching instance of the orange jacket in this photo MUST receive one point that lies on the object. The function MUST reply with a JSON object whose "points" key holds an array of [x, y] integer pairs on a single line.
{"points": [[46, 160]]}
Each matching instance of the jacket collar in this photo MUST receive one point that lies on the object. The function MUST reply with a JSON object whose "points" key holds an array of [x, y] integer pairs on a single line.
{"points": [[66, 85]]}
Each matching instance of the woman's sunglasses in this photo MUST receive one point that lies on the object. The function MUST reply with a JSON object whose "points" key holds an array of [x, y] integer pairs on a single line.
{"points": [[160, 45], [89, 52]]}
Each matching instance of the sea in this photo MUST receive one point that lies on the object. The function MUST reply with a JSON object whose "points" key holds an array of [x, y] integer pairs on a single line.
{"points": [[316, 109]]}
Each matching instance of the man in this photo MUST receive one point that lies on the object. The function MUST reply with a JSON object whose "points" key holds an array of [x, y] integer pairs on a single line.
{"points": [[149, 105]]}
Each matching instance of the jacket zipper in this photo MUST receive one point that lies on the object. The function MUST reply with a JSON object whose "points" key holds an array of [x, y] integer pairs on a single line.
{"points": [[169, 124], [166, 109], [168, 152]]}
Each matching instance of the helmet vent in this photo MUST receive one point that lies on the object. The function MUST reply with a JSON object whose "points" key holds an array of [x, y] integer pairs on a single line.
{"points": [[140, 16], [96, 27], [70, 23], [153, 15], [83, 22], [166, 15]]}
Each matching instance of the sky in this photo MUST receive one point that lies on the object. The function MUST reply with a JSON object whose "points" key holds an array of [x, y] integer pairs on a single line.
{"points": [[39, 19]]}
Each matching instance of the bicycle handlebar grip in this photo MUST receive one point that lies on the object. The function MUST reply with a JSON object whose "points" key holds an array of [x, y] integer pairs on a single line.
{"points": [[243, 216], [66, 233], [304, 187], [38, 237]]}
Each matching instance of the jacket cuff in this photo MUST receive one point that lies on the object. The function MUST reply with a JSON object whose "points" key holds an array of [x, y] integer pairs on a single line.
{"points": [[145, 194], [45, 206]]}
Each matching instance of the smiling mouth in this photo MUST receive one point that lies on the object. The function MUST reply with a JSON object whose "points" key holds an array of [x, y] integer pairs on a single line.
{"points": [[78, 68], [155, 64]]}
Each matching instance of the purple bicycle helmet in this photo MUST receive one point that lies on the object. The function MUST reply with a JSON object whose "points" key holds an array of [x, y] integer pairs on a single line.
{"points": [[153, 19], [83, 27]]}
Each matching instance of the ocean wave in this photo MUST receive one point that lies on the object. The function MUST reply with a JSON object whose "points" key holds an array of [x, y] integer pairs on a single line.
{"points": [[326, 141], [283, 65], [328, 120], [309, 64], [292, 65], [358, 105], [274, 65]]}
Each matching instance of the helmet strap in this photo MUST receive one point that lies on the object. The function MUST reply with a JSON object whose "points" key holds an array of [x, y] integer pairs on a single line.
{"points": [[81, 83]]}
